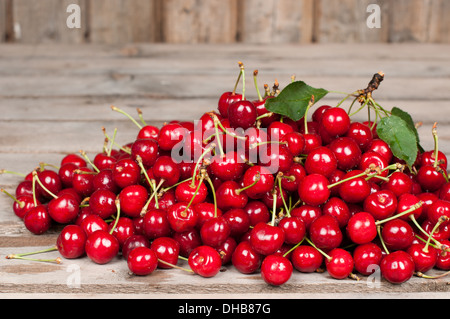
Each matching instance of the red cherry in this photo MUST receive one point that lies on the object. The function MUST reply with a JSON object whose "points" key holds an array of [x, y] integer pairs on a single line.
{"points": [[102, 203], [229, 195], [397, 267], [242, 114], [354, 190], [259, 181], [306, 259], [71, 242], [424, 258], [74, 159], [167, 249], [295, 142], [170, 135], [181, 217], [337, 208], [294, 229], [51, 181], [276, 270], [228, 167], [257, 211], [313, 189], [101, 247], [37, 220], [321, 161], [361, 228], [325, 232], [225, 100], [104, 161], [142, 261], [312, 141], [397, 234], [266, 239], [205, 261], [215, 232], [126, 172], [340, 264], [132, 242], [92, 223], [226, 250], [382, 148], [156, 224], [443, 260], [335, 121], [165, 169], [430, 178], [187, 192], [307, 213], [147, 149], [361, 133], [123, 230], [64, 209], [188, 240], [367, 257], [428, 158], [406, 202], [238, 220], [148, 131], [381, 204], [346, 151], [133, 199], [438, 209], [277, 130], [291, 178], [399, 183], [245, 259]]}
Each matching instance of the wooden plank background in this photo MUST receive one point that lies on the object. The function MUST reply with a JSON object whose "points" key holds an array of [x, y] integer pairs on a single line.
{"points": [[224, 21]]}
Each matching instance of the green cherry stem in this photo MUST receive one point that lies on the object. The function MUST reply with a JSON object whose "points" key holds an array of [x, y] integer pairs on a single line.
{"points": [[257, 178], [116, 109], [255, 80], [305, 117], [139, 111], [35, 176], [328, 257], [213, 193], [279, 177], [4, 171], [406, 212], [20, 203], [83, 153], [117, 202]]}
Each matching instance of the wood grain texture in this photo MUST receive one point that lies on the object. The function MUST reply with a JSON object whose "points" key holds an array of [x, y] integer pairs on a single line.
{"points": [[54, 100]]}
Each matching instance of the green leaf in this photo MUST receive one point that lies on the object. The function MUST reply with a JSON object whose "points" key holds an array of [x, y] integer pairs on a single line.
{"points": [[402, 140], [409, 121], [294, 99]]}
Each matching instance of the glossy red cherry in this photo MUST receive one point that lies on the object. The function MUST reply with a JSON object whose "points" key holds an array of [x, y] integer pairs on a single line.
{"points": [[74, 159], [295, 142], [382, 148], [424, 258], [170, 135], [443, 260], [307, 213], [340, 264], [266, 239], [133, 242], [101, 247], [64, 209], [438, 209], [165, 169], [257, 211], [215, 231], [181, 217], [354, 190], [245, 259], [142, 261], [367, 258], [92, 223], [126, 172], [167, 249], [66, 173], [156, 224], [306, 259], [242, 114], [335, 121], [325, 232], [276, 270], [313, 189], [397, 234], [321, 161], [51, 181], [399, 183], [381, 204], [148, 131], [430, 178], [275, 157], [337, 208], [361, 134], [428, 158], [225, 100], [361, 228], [188, 191], [37, 220], [291, 178], [133, 199], [205, 261], [123, 229], [188, 240], [102, 203], [397, 267], [277, 130], [312, 141], [238, 220], [23, 204], [258, 180], [226, 250], [229, 195], [369, 159], [294, 229], [228, 167], [347, 152], [83, 181], [71, 242], [147, 149], [406, 202]]}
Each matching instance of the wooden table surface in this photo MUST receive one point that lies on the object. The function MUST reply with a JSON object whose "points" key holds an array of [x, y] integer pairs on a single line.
{"points": [[54, 100]]}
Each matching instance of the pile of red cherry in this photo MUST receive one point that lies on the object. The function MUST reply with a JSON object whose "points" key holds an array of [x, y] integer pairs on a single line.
{"points": [[251, 189]]}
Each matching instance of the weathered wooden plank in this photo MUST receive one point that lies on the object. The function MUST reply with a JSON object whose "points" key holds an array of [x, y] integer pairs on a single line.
{"points": [[45, 21], [346, 21], [277, 21], [121, 22], [190, 21]]}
